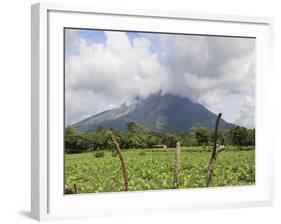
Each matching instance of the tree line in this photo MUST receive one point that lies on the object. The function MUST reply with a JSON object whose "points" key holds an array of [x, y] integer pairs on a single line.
{"points": [[139, 137]]}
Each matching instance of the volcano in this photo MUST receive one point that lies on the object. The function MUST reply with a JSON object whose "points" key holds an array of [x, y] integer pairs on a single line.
{"points": [[165, 113]]}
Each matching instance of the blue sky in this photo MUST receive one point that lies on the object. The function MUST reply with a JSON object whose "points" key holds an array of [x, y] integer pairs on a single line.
{"points": [[92, 36], [107, 68], [98, 36]]}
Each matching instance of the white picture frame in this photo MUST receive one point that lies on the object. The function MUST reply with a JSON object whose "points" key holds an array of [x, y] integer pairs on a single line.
{"points": [[47, 198]]}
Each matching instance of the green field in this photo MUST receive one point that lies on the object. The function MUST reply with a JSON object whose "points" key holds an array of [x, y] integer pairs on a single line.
{"points": [[153, 169]]}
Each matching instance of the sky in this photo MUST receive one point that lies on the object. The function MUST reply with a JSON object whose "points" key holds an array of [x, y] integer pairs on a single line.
{"points": [[104, 69]]}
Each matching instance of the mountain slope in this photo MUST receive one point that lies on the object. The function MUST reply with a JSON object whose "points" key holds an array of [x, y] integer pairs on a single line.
{"points": [[159, 113]]}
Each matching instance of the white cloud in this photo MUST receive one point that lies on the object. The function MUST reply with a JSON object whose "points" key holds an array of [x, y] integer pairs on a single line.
{"points": [[112, 73], [247, 112], [248, 102], [209, 98], [205, 69], [200, 64]]}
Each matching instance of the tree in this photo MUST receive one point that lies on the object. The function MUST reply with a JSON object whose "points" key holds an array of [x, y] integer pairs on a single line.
{"points": [[190, 139], [137, 141], [136, 128], [152, 140], [74, 141], [170, 140], [69, 130], [136, 137], [202, 135], [250, 140], [239, 136]]}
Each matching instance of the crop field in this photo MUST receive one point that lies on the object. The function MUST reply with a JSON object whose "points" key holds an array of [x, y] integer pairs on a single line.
{"points": [[152, 169]]}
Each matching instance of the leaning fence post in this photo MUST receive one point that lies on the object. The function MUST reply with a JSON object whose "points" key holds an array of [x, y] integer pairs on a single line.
{"points": [[176, 181], [216, 151], [123, 163]]}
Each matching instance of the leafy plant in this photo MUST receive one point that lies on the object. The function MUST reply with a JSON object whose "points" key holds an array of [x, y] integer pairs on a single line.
{"points": [[142, 153], [154, 171], [99, 154]]}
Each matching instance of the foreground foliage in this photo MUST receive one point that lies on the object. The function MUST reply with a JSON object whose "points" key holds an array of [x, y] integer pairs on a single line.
{"points": [[153, 169]]}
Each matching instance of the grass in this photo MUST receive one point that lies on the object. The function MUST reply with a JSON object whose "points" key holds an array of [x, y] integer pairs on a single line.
{"points": [[153, 169]]}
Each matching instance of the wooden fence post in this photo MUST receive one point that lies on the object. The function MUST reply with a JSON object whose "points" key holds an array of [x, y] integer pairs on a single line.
{"points": [[216, 150], [123, 163], [75, 188], [176, 181]]}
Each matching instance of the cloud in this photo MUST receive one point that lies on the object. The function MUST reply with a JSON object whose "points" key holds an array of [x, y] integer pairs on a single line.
{"points": [[114, 72], [209, 70], [248, 102], [200, 64], [247, 112]]}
